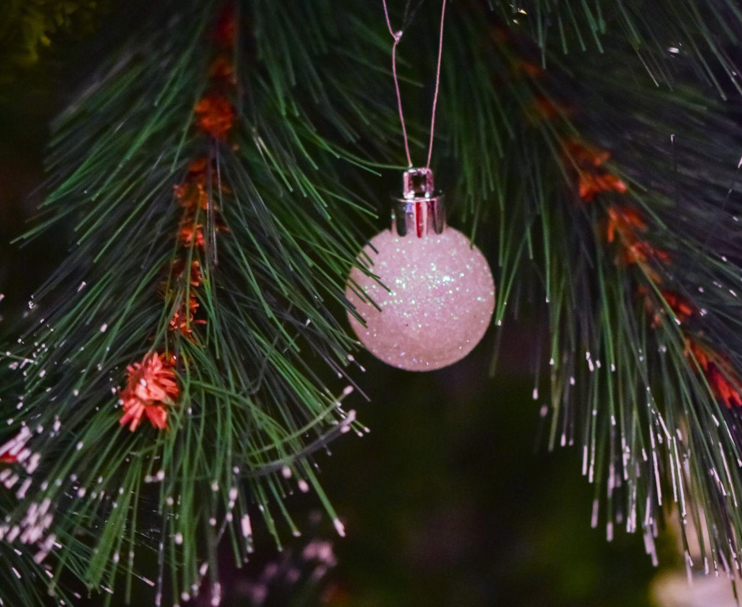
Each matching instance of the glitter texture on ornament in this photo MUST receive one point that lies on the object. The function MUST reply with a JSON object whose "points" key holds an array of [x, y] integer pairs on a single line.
{"points": [[436, 299]]}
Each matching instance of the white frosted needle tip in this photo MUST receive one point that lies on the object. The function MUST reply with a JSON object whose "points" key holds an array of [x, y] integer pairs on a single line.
{"points": [[339, 527]]}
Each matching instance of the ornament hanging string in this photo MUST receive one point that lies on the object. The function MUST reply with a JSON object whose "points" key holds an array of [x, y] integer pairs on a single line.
{"points": [[397, 36]]}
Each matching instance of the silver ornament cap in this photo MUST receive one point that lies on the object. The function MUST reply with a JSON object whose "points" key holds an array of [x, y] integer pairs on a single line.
{"points": [[421, 210]]}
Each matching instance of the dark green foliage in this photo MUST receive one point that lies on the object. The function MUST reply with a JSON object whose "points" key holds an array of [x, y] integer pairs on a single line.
{"points": [[250, 404], [624, 387]]}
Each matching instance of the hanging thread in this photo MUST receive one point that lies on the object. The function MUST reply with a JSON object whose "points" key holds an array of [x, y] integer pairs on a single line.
{"points": [[397, 36]]}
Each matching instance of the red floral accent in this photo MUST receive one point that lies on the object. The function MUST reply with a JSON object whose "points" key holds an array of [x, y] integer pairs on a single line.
{"points": [[585, 155], [151, 387], [641, 251], [590, 185], [591, 179], [192, 234], [680, 306], [184, 317], [195, 278], [198, 166], [151, 384], [724, 383], [7, 458], [192, 195], [222, 70], [215, 115], [627, 224]]}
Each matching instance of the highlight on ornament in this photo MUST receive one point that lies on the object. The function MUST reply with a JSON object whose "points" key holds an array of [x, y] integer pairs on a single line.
{"points": [[428, 295]]}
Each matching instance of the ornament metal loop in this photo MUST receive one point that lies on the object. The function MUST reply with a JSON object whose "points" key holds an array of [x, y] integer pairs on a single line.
{"points": [[421, 208]]}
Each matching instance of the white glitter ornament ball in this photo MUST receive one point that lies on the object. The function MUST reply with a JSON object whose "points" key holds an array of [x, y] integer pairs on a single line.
{"points": [[439, 304]]}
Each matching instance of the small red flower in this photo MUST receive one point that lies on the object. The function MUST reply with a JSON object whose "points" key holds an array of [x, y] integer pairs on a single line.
{"points": [[681, 307], [719, 374], [625, 225], [7, 458], [215, 116], [723, 388], [591, 184], [184, 319], [198, 166], [192, 194], [191, 234], [624, 222], [591, 179], [151, 387], [196, 278], [640, 251], [222, 70], [585, 155]]}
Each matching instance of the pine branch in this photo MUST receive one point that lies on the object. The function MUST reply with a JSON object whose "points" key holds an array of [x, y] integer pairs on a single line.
{"points": [[703, 32], [635, 207], [219, 296]]}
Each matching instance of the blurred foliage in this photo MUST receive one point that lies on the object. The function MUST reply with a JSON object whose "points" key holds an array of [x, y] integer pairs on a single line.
{"points": [[29, 26]]}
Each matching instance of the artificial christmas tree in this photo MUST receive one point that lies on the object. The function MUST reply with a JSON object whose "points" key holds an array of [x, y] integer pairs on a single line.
{"points": [[172, 383]]}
